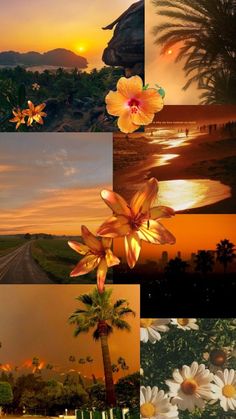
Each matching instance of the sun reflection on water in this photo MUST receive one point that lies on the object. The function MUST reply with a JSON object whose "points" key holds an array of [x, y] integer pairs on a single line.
{"points": [[182, 194]]}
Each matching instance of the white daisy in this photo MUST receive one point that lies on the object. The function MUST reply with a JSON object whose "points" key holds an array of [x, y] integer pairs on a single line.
{"points": [[150, 329], [185, 324], [191, 386], [225, 389], [155, 404]]}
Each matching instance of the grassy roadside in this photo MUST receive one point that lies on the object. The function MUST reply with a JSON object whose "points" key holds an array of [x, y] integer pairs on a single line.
{"points": [[8, 244], [57, 259]]}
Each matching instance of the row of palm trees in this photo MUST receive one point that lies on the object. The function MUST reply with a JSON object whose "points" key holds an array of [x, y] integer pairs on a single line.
{"points": [[204, 260], [205, 29]]}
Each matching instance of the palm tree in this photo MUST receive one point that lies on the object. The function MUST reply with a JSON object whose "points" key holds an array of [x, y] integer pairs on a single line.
{"points": [[204, 261], [176, 267], [206, 30], [225, 253], [103, 316]]}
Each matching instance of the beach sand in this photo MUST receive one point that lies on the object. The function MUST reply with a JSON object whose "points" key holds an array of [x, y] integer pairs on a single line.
{"points": [[200, 156]]}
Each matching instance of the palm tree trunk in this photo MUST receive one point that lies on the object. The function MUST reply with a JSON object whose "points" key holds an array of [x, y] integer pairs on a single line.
{"points": [[110, 389]]}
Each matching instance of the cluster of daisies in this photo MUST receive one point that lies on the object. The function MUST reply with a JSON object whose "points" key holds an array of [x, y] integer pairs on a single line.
{"points": [[191, 386]]}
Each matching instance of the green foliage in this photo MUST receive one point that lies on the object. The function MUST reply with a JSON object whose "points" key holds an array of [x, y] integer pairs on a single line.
{"points": [[181, 347], [58, 260], [6, 395], [8, 244], [63, 87], [127, 391]]}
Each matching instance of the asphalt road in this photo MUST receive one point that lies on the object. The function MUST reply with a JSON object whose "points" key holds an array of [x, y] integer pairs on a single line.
{"points": [[19, 267]]}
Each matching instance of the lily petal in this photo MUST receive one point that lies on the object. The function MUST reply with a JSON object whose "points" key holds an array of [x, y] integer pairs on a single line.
{"points": [[161, 212], [130, 87], [111, 259], [101, 275], [117, 204], [80, 248], [116, 103], [115, 227], [132, 248], [106, 242], [125, 122], [143, 199], [154, 232], [90, 240], [86, 265]]}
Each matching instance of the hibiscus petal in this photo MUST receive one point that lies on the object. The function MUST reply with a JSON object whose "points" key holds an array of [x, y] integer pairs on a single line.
{"points": [[86, 265], [130, 87], [90, 240], [111, 259], [151, 101], [101, 275], [115, 201], [80, 248], [125, 122], [143, 199], [154, 232], [161, 212], [114, 227], [142, 118], [132, 249], [116, 103]]}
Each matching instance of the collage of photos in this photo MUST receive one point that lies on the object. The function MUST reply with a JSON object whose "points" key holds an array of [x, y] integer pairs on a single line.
{"points": [[118, 209]]}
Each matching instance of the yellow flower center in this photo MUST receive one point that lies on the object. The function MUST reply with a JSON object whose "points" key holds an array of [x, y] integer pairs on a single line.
{"points": [[229, 391], [145, 322], [183, 322], [147, 410], [189, 386]]}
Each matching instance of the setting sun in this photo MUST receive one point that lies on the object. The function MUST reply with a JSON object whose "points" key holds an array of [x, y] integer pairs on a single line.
{"points": [[81, 48]]}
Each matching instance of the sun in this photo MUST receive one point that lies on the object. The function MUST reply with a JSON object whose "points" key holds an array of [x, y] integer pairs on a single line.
{"points": [[169, 52], [80, 48]]}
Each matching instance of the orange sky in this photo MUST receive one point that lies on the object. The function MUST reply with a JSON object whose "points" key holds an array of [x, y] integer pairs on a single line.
{"points": [[73, 24], [45, 333], [193, 232], [51, 183], [162, 69]]}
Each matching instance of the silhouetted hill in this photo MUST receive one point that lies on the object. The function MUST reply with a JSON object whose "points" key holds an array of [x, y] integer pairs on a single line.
{"points": [[56, 57]]}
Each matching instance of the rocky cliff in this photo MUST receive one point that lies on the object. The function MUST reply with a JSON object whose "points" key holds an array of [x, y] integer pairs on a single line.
{"points": [[126, 48]]}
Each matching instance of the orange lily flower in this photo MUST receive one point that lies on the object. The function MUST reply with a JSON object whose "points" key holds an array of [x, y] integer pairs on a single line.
{"points": [[136, 221], [19, 117], [134, 105], [35, 113], [97, 254]]}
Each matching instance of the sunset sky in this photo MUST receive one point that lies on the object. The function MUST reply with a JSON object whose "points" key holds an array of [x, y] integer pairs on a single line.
{"points": [[30, 329], [162, 69], [192, 232], [51, 183], [45, 25]]}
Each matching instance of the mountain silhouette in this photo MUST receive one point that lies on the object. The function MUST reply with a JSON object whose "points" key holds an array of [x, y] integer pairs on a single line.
{"points": [[57, 57]]}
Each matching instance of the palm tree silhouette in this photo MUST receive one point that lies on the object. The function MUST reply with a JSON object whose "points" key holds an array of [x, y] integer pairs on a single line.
{"points": [[206, 31], [225, 253], [204, 261], [103, 315], [176, 267]]}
